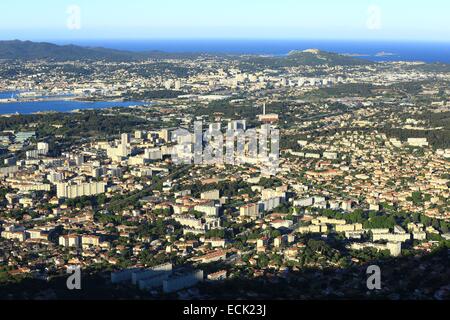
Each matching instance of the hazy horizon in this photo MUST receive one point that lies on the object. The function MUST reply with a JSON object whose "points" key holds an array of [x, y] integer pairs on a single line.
{"points": [[337, 40], [380, 20]]}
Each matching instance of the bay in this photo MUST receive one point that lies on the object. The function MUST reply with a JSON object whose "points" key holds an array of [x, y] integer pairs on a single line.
{"points": [[372, 50], [58, 105]]}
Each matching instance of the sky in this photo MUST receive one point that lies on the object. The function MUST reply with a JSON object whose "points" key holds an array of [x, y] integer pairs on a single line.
{"points": [[225, 19]]}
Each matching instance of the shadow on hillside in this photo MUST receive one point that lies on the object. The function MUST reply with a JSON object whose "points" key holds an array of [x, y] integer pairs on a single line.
{"points": [[402, 278]]}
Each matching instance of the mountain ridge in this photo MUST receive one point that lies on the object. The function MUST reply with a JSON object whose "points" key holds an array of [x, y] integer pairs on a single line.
{"points": [[28, 50]]}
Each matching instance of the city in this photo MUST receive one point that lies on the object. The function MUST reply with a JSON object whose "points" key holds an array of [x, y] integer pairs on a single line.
{"points": [[151, 175], [358, 179]]}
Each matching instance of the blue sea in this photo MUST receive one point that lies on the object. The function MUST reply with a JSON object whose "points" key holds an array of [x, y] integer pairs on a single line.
{"points": [[57, 106], [372, 50]]}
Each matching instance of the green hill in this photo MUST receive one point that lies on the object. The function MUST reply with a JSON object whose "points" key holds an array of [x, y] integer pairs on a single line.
{"points": [[310, 57], [27, 50], [317, 57]]}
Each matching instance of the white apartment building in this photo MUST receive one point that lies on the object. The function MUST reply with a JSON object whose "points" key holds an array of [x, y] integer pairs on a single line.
{"points": [[70, 191]]}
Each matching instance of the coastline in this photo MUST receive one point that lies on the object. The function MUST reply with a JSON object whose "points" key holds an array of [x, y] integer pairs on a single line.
{"points": [[33, 106]]}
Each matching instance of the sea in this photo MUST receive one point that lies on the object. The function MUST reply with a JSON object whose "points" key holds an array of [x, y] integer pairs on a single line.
{"points": [[430, 52], [58, 105]]}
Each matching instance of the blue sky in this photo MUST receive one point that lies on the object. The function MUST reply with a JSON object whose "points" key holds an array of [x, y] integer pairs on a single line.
{"points": [[299, 19]]}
